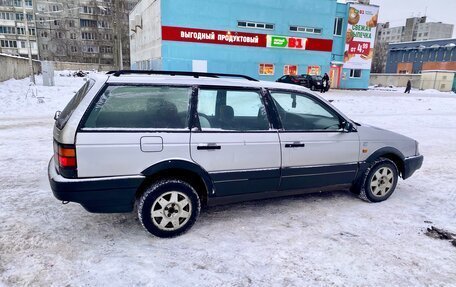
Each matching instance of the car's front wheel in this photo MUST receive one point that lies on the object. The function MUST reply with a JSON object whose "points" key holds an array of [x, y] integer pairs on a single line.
{"points": [[379, 181], [169, 208]]}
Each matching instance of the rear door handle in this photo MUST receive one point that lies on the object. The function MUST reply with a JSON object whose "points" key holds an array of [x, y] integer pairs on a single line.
{"points": [[208, 147], [295, 145]]}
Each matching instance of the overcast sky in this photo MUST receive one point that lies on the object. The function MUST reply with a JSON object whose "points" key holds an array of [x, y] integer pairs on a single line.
{"points": [[395, 11]]}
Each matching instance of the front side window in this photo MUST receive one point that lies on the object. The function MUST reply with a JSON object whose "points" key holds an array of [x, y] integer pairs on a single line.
{"points": [[231, 110], [300, 112], [141, 107]]}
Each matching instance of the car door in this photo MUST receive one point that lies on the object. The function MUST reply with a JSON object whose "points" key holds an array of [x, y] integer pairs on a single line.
{"points": [[132, 127], [316, 151], [234, 141]]}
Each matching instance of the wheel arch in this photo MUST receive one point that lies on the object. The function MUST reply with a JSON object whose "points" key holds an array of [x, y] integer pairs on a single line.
{"points": [[392, 154], [190, 172]]}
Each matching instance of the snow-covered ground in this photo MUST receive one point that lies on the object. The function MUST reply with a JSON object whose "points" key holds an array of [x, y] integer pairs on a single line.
{"points": [[330, 239]]}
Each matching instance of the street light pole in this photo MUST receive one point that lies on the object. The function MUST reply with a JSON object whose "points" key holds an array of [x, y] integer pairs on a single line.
{"points": [[29, 45]]}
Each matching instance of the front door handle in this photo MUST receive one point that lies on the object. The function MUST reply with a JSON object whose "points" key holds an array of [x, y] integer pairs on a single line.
{"points": [[208, 147], [295, 145]]}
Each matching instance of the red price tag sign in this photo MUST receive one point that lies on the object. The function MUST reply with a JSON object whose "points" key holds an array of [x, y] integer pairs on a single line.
{"points": [[359, 48]]}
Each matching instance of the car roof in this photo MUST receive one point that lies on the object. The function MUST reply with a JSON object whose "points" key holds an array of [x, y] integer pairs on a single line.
{"points": [[200, 81]]}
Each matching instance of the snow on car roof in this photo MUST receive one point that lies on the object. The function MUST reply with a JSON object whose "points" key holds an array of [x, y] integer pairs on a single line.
{"points": [[190, 80]]}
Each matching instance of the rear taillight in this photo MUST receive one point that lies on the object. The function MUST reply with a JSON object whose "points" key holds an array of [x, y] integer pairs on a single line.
{"points": [[65, 159]]}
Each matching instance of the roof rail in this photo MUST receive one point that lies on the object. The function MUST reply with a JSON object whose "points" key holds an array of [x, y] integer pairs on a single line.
{"points": [[178, 73]]}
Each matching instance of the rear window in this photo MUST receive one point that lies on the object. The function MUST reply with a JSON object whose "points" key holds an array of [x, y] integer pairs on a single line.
{"points": [[141, 107], [74, 102]]}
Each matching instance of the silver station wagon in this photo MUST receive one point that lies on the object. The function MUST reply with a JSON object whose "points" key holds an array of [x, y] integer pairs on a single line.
{"points": [[168, 143]]}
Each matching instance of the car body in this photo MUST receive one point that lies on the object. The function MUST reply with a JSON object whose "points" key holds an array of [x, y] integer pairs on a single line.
{"points": [[294, 80], [171, 141], [313, 82]]}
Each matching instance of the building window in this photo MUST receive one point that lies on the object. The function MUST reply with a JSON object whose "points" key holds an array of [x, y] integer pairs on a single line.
{"points": [[88, 23], [7, 30], [266, 69], [309, 30], [73, 49], [255, 25], [87, 10], [313, 70], [6, 16], [355, 73], [45, 47], [290, 70], [88, 36], [338, 24], [90, 49], [56, 22], [71, 23], [106, 49], [107, 37], [8, 44], [73, 36], [103, 24]]}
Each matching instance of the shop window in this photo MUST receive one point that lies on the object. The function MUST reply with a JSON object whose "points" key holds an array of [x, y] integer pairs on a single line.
{"points": [[338, 24], [255, 25], [290, 70], [308, 30], [355, 73], [266, 69], [313, 70]]}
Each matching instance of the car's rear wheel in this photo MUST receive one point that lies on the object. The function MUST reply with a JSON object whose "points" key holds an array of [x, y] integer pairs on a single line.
{"points": [[379, 181], [169, 208]]}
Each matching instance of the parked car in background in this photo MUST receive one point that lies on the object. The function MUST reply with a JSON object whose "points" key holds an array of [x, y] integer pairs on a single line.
{"points": [[295, 80], [313, 82], [170, 142]]}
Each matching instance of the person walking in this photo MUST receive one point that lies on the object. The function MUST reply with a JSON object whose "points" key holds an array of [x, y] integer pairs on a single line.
{"points": [[408, 88], [325, 83]]}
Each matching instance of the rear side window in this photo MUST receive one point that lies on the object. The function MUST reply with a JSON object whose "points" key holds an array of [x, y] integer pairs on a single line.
{"points": [[141, 107], [74, 102]]}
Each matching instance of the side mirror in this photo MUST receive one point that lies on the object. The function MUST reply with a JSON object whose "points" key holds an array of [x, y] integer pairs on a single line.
{"points": [[347, 127], [56, 115]]}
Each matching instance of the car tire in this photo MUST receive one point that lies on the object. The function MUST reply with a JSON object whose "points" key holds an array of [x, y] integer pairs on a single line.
{"points": [[169, 208], [379, 181]]}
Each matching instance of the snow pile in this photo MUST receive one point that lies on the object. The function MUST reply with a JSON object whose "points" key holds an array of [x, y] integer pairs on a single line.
{"points": [[402, 89], [331, 239], [21, 98]]}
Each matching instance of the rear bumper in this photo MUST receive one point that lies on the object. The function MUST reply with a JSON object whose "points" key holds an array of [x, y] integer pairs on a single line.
{"points": [[412, 164], [99, 195]]}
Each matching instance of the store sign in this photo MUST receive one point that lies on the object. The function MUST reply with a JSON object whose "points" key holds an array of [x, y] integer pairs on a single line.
{"points": [[274, 41], [195, 35], [360, 37]]}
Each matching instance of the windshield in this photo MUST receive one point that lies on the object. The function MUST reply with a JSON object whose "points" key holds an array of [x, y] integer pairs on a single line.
{"points": [[71, 106]]}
